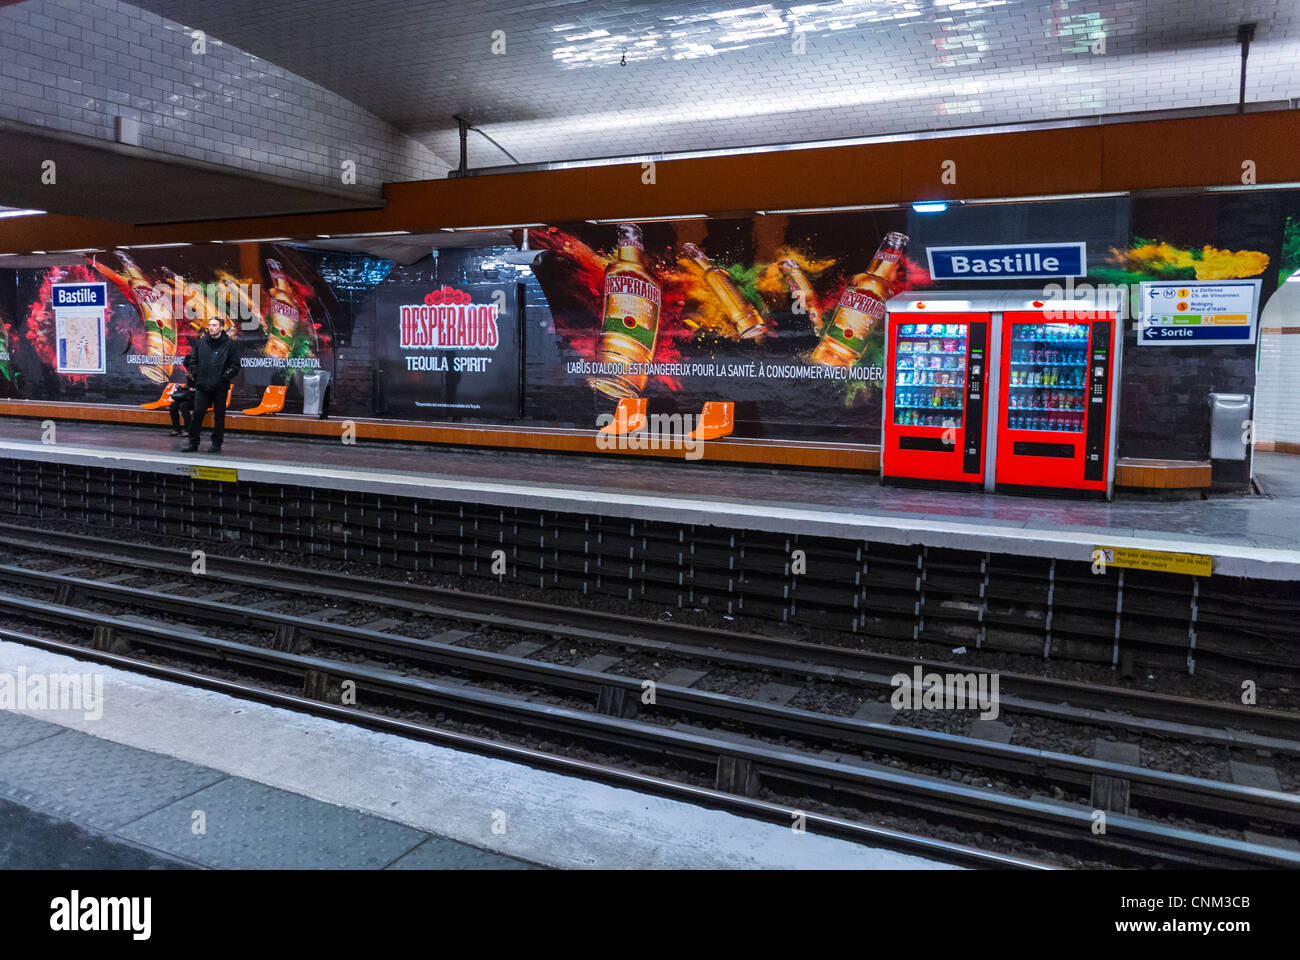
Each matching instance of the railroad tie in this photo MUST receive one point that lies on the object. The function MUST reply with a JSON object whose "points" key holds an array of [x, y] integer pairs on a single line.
{"points": [[525, 648], [683, 677], [1112, 793], [993, 730], [736, 775], [286, 636], [382, 624], [1264, 776], [781, 693], [316, 685]]}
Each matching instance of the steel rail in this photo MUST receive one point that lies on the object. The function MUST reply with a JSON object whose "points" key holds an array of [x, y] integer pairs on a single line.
{"points": [[1191, 794], [1071, 822], [1065, 699], [946, 851]]}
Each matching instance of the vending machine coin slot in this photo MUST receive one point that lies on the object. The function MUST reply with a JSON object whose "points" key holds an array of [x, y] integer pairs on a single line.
{"points": [[932, 444], [1030, 448]]}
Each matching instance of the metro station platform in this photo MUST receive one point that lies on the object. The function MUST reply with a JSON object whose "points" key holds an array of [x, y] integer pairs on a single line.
{"points": [[1248, 536], [165, 776]]}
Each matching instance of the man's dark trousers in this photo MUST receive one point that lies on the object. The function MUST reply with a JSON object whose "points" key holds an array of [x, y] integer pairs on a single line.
{"points": [[216, 399], [181, 410]]}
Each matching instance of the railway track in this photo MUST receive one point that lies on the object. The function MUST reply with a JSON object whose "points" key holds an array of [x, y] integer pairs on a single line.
{"points": [[601, 709], [1223, 722]]}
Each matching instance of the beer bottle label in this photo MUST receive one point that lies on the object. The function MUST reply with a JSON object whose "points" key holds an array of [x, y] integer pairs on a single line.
{"points": [[633, 316], [855, 318]]}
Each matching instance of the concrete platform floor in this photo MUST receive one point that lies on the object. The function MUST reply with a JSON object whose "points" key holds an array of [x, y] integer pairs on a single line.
{"points": [[169, 776], [1248, 535]]}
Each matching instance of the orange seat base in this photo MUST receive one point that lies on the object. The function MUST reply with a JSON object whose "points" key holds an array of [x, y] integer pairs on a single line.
{"points": [[629, 417], [717, 420], [272, 402], [164, 400]]}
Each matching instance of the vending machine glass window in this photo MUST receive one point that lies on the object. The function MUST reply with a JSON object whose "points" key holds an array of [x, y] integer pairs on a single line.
{"points": [[930, 375], [1048, 384]]}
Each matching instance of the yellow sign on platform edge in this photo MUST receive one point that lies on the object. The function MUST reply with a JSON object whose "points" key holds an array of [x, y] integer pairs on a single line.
{"points": [[1157, 561], [224, 474]]}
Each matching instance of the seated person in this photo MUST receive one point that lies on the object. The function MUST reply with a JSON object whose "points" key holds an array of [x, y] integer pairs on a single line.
{"points": [[182, 405]]}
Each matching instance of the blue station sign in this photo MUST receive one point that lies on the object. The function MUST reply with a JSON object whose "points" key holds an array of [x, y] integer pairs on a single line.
{"points": [[65, 295], [1017, 261]]}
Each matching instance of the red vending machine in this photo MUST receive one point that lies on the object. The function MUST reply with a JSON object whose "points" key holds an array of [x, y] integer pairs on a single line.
{"points": [[1057, 382], [935, 403]]}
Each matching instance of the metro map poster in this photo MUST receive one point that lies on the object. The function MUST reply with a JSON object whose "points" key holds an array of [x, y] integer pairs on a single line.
{"points": [[79, 311]]}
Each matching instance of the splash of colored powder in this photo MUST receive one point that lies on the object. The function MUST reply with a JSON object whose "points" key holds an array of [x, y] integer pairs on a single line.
{"points": [[1163, 260], [771, 282]]}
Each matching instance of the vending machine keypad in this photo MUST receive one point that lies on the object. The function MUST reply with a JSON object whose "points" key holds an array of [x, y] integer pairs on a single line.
{"points": [[1095, 442]]}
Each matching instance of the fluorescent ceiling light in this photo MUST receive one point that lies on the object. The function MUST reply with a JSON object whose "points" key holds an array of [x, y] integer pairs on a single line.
{"points": [[83, 250], [499, 226], [930, 206], [868, 206], [19, 212], [1047, 196], [151, 246], [258, 240], [1254, 186], [349, 236], [677, 216]]}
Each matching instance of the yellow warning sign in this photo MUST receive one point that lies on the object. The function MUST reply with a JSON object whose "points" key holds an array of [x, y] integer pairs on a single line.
{"points": [[224, 474], [1158, 561]]}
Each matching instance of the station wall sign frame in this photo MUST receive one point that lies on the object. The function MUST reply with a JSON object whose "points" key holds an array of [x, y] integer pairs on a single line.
{"points": [[1191, 313], [1009, 261]]}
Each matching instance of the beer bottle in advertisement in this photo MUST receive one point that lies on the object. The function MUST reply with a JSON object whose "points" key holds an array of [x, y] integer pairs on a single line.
{"points": [[861, 306], [282, 313], [801, 291], [198, 305], [748, 322], [6, 375], [159, 321], [630, 316]]}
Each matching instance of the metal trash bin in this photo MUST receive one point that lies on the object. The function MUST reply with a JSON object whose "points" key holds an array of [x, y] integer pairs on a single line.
{"points": [[314, 386], [1231, 439], [1229, 425]]}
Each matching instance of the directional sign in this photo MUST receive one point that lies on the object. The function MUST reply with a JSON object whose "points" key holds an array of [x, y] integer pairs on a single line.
{"points": [[1198, 312]]}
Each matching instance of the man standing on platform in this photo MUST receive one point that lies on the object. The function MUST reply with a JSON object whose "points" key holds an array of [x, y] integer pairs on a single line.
{"points": [[216, 361]]}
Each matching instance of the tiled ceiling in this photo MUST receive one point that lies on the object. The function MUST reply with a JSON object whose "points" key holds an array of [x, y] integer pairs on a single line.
{"points": [[599, 78]]}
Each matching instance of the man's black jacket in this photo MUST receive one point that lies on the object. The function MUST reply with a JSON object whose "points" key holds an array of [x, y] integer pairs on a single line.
{"points": [[216, 361]]}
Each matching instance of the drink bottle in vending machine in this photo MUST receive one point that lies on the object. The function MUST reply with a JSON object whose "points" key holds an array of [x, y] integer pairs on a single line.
{"points": [[935, 411]]}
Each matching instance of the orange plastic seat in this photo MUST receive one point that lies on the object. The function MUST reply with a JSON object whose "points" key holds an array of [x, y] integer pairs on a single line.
{"points": [[163, 401], [717, 420], [272, 402], [629, 417]]}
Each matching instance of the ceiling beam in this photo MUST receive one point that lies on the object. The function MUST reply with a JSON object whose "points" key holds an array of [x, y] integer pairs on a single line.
{"points": [[1148, 155]]}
